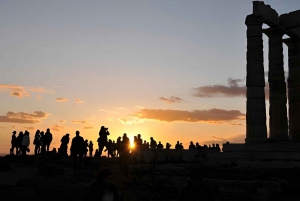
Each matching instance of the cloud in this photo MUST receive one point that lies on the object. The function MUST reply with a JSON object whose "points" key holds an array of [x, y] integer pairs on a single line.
{"points": [[29, 127], [23, 117], [107, 111], [2, 127], [61, 100], [57, 127], [62, 121], [38, 97], [212, 116], [78, 101], [120, 108], [22, 91], [88, 127], [232, 90], [172, 99], [130, 122], [79, 122]]}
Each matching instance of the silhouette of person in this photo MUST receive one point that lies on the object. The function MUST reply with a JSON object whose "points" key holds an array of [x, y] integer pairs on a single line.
{"points": [[48, 139], [153, 143], [25, 143], [102, 140], [196, 189], [19, 142], [139, 143], [42, 142], [96, 153], [36, 142], [177, 146], [77, 150], [168, 145], [63, 149], [192, 146], [218, 149], [198, 146], [124, 155], [160, 145], [91, 148], [14, 143], [86, 145], [118, 145], [181, 146], [145, 146], [101, 189], [110, 149]]}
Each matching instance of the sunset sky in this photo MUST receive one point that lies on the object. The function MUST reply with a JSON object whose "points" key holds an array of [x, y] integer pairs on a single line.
{"points": [[173, 70]]}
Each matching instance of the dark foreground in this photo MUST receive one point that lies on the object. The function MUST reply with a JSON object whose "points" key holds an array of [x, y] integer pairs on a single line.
{"points": [[51, 178]]}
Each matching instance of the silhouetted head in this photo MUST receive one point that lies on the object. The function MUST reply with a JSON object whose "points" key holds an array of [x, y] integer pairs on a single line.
{"points": [[159, 142], [139, 135], [14, 132], [42, 133], [67, 134], [151, 138], [21, 133], [48, 129], [77, 133], [191, 142], [177, 142], [124, 135]]}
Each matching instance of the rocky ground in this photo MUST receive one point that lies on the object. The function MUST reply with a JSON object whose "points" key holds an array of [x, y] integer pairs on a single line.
{"points": [[51, 178]]}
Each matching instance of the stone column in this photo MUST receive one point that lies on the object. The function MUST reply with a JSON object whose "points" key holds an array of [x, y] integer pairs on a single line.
{"points": [[278, 122], [294, 88], [255, 81]]}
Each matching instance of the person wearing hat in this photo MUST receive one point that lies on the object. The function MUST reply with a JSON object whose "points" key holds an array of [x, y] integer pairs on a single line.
{"points": [[13, 143]]}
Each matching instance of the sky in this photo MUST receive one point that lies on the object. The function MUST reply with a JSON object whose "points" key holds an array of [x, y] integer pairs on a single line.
{"points": [[172, 70]]}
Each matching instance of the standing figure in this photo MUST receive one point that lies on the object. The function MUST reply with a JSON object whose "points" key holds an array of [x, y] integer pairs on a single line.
{"points": [[86, 145], [36, 142], [77, 150], [160, 145], [48, 139], [43, 142], [91, 148], [19, 142], [168, 145], [153, 143], [25, 143], [102, 140], [63, 149], [14, 143]]}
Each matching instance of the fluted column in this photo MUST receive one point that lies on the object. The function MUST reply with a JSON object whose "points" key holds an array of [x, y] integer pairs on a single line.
{"points": [[294, 88], [278, 122], [255, 81]]}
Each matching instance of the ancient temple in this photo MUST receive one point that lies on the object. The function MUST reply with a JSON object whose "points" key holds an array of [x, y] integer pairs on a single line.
{"points": [[288, 24], [282, 147]]}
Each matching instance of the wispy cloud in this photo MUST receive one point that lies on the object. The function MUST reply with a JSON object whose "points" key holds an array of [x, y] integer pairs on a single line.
{"points": [[62, 121], [130, 122], [232, 90], [38, 97], [238, 138], [212, 116], [61, 100], [107, 111], [88, 127], [23, 117], [2, 127], [172, 99], [79, 101], [119, 108], [57, 127], [22, 91], [79, 122]]}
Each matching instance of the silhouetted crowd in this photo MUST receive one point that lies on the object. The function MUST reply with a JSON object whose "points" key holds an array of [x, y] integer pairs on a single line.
{"points": [[42, 141]]}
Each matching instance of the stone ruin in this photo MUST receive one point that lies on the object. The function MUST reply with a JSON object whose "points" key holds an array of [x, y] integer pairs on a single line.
{"points": [[288, 24], [283, 144]]}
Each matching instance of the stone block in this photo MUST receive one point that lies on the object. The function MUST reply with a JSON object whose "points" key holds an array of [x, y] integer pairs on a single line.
{"points": [[269, 15]]}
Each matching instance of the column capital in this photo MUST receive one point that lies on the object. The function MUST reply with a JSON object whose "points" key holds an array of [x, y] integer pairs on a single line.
{"points": [[253, 20], [290, 42], [273, 32]]}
